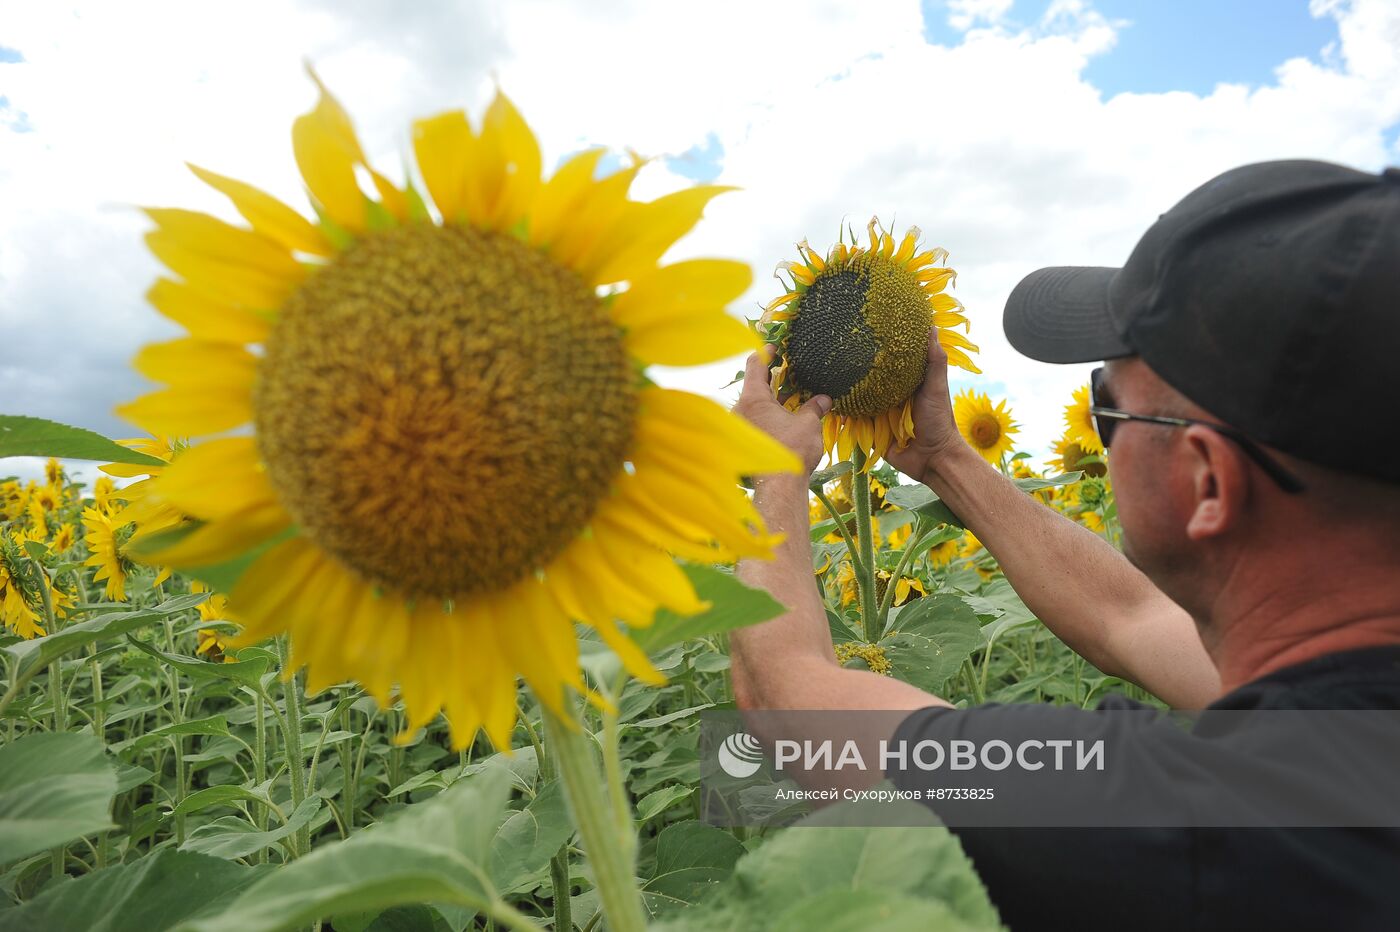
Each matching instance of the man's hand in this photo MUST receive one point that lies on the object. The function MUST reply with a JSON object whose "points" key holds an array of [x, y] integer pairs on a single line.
{"points": [[935, 430], [800, 431]]}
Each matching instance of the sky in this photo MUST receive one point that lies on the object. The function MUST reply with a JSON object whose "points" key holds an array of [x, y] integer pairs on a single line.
{"points": [[1015, 133]]}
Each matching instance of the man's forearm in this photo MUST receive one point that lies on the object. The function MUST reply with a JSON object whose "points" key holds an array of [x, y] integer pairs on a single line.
{"points": [[789, 662], [801, 632], [1080, 586]]}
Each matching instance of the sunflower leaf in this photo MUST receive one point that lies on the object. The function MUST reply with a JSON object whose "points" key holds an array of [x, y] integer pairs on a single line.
{"points": [[732, 605], [433, 852], [33, 655], [34, 436], [54, 788]]}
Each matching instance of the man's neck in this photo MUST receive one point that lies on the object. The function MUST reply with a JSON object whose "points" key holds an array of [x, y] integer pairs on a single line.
{"points": [[1301, 621]]}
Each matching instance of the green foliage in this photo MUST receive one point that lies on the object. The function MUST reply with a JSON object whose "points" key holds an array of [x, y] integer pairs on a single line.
{"points": [[155, 892], [34, 436], [145, 786], [53, 788], [833, 871]]}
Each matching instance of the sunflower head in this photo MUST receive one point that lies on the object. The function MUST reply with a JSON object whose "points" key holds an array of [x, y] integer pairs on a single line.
{"points": [[1071, 456], [367, 393], [1079, 423], [986, 427], [871, 656], [854, 325]]}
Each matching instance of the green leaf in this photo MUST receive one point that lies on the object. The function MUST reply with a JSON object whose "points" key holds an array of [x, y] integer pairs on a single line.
{"points": [[658, 802], [691, 858], [151, 893], [34, 436], [527, 839], [36, 654], [211, 725], [433, 852], [935, 635], [223, 794], [248, 672], [869, 911], [234, 837], [918, 870], [732, 605], [920, 498], [668, 718], [54, 788]]}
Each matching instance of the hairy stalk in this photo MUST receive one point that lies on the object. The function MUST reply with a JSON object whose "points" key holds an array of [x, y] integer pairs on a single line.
{"points": [[610, 852], [291, 744], [851, 549], [559, 863], [865, 572]]}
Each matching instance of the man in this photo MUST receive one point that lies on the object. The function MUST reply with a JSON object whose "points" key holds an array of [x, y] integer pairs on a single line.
{"points": [[1251, 343]]}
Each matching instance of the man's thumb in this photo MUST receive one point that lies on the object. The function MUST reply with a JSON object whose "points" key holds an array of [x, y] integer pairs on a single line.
{"points": [[817, 405]]}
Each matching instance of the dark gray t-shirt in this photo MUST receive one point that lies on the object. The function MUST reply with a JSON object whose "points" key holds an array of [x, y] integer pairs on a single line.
{"points": [[1183, 878]]}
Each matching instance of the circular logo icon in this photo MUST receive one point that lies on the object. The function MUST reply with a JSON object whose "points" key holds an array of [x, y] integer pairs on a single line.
{"points": [[740, 755]]}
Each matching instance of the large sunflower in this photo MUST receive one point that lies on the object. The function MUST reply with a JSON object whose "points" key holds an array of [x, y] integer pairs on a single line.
{"points": [[412, 372], [986, 427], [854, 326], [1079, 423]]}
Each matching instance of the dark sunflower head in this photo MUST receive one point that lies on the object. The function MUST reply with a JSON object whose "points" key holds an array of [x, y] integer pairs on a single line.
{"points": [[855, 327]]}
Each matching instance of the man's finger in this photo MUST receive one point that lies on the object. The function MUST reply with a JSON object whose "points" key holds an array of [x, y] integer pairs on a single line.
{"points": [[756, 384], [936, 378]]}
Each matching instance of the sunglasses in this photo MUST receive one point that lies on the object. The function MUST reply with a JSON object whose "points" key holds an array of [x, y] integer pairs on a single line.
{"points": [[1107, 418]]}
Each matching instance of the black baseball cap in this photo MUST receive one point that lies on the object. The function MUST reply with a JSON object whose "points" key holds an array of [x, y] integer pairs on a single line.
{"points": [[1269, 296]]}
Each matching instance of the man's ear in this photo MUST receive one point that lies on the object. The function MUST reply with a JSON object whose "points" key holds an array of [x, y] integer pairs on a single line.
{"points": [[1220, 481]]}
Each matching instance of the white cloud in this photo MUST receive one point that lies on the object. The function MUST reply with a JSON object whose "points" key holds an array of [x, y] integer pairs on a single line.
{"points": [[964, 14], [997, 147]]}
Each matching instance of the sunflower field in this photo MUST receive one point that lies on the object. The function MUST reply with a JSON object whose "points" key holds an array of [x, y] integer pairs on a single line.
{"points": [[401, 611]]}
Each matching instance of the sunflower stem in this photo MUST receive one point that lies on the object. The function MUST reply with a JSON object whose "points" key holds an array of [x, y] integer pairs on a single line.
{"points": [[865, 572], [841, 527], [559, 863], [904, 559], [260, 764], [291, 742], [611, 852]]}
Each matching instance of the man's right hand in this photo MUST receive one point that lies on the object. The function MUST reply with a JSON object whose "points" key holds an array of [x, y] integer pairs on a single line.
{"points": [[935, 430]]}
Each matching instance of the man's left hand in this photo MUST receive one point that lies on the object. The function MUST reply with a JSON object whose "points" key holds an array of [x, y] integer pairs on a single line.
{"points": [[800, 431]]}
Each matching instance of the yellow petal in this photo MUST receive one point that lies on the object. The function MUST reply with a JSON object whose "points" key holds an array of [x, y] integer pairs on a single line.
{"points": [[225, 539], [508, 174], [268, 215], [186, 412], [643, 233], [216, 479], [592, 217], [204, 317], [198, 364], [327, 164], [634, 660], [681, 289], [444, 148], [713, 425], [561, 195], [621, 518], [209, 236], [950, 338], [229, 279], [649, 571], [690, 340]]}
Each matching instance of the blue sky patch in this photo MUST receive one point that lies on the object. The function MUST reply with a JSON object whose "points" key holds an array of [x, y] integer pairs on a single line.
{"points": [[701, 163], [9, 56], [1186, 45]]}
